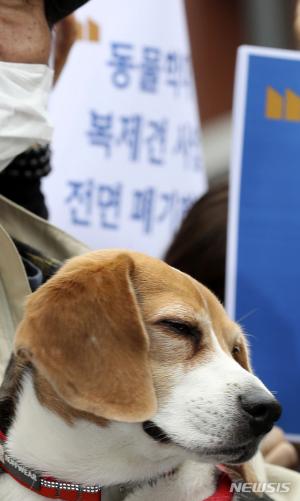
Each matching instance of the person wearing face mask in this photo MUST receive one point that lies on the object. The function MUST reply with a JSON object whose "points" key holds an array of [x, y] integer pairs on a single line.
{"points": [[25, 77], [21, 180]]}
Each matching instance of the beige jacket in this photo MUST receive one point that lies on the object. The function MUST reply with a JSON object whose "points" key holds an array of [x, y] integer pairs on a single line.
{"points": [[30, 229]]}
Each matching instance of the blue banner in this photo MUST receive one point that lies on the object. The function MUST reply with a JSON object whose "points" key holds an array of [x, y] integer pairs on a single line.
{"points": [[266, 240]]}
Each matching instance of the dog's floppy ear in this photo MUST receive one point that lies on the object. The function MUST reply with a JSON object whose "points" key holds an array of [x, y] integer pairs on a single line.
{"points": [[83, 330]]}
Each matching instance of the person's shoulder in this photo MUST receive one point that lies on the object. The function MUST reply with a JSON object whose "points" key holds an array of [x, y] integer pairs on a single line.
{"points": [[58, 9]]}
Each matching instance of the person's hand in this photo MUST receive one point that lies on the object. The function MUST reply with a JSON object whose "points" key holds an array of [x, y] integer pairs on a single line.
{"points": [[25, 36], [277, 450]]}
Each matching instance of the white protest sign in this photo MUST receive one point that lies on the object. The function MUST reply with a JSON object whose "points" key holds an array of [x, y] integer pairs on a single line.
{"points": [[127, 158]]}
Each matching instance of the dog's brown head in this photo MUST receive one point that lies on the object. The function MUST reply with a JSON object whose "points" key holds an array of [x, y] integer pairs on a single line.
{"points": [[125, 337]]}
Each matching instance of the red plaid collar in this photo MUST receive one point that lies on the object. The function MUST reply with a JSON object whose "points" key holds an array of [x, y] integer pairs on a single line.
{"points": [[47, 487], [52, 488]]}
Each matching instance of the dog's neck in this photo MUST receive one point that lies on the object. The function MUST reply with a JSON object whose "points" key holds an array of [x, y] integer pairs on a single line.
{"points": [[84, 452]]}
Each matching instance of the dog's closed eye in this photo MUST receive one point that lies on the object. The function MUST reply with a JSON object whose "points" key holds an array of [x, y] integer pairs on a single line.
{"points": [[182, 328]]}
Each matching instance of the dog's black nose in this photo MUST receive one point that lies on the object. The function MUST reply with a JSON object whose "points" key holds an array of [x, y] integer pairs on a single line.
{"points": [[262, 409]]}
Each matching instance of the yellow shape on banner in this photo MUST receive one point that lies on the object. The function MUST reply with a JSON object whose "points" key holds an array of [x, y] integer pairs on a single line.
{"points": [[90, 30], [274, 105], [94, 32], [292, 111]]}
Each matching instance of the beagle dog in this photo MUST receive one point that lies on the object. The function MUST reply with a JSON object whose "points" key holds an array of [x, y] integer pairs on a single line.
{"points": [[125, 370]]}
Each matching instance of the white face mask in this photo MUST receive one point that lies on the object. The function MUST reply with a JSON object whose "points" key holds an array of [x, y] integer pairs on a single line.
{"points": [[24, 120]]}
